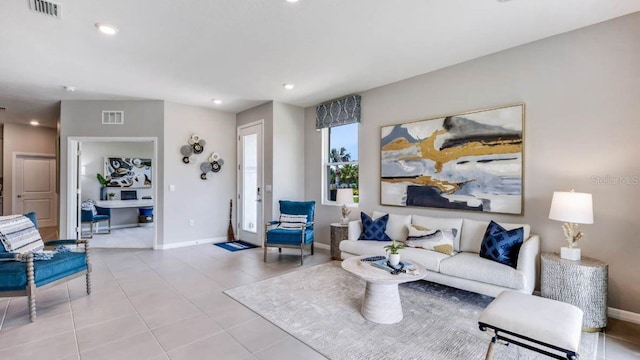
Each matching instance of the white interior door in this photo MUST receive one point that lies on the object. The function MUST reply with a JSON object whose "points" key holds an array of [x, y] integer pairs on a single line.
{"points": [[35, 188], [250, 228]]}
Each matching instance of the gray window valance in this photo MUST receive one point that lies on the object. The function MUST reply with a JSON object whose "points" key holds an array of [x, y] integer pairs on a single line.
{"points": [[338, 112]]}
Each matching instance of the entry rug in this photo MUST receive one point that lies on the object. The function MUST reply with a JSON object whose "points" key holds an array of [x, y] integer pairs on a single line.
{"points": [[235, 245], [320, 306]]}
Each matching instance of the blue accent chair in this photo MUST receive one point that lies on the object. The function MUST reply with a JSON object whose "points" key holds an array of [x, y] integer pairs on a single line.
{"points": [[104, 214], [21, 275], [291, 238]]}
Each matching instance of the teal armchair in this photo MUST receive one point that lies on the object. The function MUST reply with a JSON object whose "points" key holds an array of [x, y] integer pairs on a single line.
{"points": [[298, 238], [21, 275]]}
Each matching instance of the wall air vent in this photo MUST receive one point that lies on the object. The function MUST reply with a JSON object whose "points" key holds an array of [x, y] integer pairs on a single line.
{"points": [[112, 117], [46, 7], [3, 108]]}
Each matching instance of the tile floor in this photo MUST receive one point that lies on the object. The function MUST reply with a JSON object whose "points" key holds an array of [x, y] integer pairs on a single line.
{"points": [[170, 305]]}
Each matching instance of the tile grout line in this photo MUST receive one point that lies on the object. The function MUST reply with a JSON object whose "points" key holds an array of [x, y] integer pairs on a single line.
{"points": [[73, 323], [4, 314]]}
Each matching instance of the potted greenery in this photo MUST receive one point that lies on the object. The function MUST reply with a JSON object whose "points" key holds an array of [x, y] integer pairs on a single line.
{"points": [[111, 195], [103, 186], [394, 256]]}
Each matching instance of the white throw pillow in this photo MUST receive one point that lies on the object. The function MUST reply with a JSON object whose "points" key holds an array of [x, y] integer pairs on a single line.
{"points": [[435, 240], [288, 221], [473, 233], [441, 224], [396, 226]]}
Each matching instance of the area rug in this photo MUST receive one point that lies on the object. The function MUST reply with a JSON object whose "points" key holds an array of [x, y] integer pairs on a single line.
{"points": [[320, 306], [235, 245]]}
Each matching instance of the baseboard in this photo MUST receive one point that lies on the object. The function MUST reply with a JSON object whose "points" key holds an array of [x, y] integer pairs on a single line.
{"points": [[192, 243], [322, 246], [624, 315]]}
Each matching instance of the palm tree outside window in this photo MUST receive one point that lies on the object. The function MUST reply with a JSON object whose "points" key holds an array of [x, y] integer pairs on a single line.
{"points": [[341, 160]]}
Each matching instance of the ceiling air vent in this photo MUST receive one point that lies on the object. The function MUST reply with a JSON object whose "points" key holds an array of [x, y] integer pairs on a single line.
{"points": [[47, 8], [113, 117]]}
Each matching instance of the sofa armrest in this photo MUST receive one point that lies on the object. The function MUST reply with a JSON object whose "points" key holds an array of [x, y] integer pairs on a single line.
{"points": [[355, 229], [527, 261]]}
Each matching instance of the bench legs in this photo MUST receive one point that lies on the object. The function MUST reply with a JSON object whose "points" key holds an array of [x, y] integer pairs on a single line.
{"points": [[490, 351]]}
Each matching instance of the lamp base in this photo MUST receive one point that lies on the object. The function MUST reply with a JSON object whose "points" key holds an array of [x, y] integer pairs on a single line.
{"points": [[570, 253], [344, 221]]}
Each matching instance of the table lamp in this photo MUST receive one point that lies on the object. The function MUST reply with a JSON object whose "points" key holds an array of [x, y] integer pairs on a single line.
{"points": [[573, 208], [344, 197]]}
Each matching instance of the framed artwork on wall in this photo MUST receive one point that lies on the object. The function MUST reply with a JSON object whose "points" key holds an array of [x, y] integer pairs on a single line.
{"points": [[128, 172], [468, 161]]}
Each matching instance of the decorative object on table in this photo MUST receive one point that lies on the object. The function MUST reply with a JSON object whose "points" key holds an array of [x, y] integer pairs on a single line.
{"points": [[112, 195], [581, 283], [468, 161], [344, 198], [235, 245], [394, 255], [339, 232], [572, 208], [231, 236], [128, 172], [103, 186], [214, 164], [195, 145]]}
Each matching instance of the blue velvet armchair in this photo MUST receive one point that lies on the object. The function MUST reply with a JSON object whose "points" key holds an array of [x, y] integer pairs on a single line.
{"points": [[298, 238], [21, 275], [103, 214]]}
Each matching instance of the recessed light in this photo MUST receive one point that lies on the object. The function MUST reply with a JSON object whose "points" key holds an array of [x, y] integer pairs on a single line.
{"points": [[107, 29], [34, 122], [292, 1], [288, 86], [70, 88], [217, 101]]}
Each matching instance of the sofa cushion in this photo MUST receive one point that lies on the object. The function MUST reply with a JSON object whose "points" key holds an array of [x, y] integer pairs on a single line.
{"points": [[374, 229], [435, 223], [502, 245], [471, 266], [429, 259], [435, 240], [396, 226], [473, 233], [289, 236]]}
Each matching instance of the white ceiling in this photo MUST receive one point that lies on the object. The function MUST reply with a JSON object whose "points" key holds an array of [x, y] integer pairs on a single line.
{"points": [[242, 51]]}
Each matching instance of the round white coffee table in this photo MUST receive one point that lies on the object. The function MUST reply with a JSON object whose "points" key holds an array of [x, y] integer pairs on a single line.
{"points": [[381, 302]]}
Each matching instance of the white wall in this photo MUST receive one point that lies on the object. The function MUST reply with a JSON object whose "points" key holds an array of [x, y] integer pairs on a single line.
{"points": [[206, 202], [581, 91]]}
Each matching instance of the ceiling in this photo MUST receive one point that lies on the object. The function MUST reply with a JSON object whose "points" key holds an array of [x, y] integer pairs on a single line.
{"points": [[243, 51]]}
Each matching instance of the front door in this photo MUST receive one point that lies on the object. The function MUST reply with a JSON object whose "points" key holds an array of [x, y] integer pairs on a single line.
{"points": [[35, 188], [250, 184]]}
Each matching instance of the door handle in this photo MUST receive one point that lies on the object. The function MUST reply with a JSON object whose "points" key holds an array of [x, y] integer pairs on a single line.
{"points": [[259, 200], [18, 196]]}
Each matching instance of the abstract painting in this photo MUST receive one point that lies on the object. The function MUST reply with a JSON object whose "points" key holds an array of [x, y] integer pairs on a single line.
{"points": [[127, 172], [469, 161]]}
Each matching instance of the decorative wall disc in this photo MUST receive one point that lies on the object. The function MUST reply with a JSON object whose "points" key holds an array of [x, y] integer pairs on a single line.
{"points": [[186, 150]]}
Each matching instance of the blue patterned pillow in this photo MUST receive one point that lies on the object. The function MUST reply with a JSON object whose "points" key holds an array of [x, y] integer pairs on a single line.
{"points": [[502, 245], [374, 229]]}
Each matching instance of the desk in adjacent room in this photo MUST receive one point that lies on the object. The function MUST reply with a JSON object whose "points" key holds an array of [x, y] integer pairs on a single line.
{"points": [[124, 218]]}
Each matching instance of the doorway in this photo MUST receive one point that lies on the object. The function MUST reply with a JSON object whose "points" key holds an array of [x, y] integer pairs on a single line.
{"points": [[250, 183], [34, 182]]}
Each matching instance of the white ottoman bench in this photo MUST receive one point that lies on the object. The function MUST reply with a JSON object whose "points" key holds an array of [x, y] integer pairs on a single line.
{"points": [[543, 324]]}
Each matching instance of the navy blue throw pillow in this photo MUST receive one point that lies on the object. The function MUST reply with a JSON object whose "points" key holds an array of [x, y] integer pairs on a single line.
{"points": [[502, 245], [374, 229]]}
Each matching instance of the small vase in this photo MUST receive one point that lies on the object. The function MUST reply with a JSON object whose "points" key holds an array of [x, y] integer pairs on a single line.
{"points": [[103, 193], [394, 259], [344, 221]]}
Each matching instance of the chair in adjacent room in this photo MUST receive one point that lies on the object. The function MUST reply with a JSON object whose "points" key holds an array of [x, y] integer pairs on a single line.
{"points": [[93, 214], [294, 229], [21, 270]]}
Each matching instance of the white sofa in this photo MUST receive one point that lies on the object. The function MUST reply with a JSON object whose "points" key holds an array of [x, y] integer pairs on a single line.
{"points": [[464, 270]]}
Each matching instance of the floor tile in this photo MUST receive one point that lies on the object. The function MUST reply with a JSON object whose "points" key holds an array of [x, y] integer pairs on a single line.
{"points": [[109, 331], [35, 331], [616, 349], [93, 315], [61, 346], [168, 312], [185, 332], [219, 346], [140, 346], [256, 334]]}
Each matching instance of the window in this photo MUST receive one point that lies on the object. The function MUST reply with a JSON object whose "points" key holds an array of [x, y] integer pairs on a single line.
{"points": [[340, 159]]}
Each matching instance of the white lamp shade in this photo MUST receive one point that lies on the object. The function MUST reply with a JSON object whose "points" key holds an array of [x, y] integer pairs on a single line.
{"points": [[344, 196], [572, 207]]}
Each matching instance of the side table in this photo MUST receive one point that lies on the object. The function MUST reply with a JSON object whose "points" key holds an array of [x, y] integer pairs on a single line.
{"points": [[582, 283], [339, 232]]}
